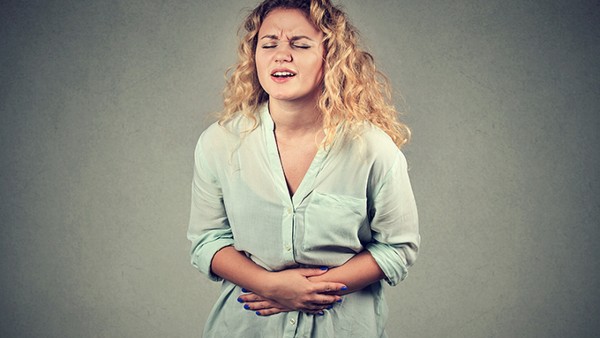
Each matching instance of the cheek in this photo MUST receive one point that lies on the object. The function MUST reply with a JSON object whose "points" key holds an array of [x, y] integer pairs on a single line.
{"points": [[260, 66], [258, 61], [317, 65]]}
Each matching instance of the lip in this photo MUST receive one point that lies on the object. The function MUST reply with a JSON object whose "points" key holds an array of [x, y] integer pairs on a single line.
{"points": [[282, 79], [275, 70]]}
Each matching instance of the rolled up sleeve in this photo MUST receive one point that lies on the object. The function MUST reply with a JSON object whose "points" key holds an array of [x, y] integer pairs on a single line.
{"points": [[394, 223], [209, 229]]}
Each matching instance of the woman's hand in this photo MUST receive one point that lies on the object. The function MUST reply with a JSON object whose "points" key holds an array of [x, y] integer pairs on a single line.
{"points": [[301, 289], [262, 306], [291, 290]]}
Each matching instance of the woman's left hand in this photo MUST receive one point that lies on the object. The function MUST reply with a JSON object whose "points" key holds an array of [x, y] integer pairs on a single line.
{"points": [[262, 306], [267, 307]]}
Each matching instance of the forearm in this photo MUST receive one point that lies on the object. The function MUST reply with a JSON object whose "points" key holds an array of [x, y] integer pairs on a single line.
{"points": [[236, 267], [358, 272], [289, 289]]}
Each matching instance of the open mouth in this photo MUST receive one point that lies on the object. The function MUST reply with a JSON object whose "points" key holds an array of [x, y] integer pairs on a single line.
{"points": [[283, 74]]}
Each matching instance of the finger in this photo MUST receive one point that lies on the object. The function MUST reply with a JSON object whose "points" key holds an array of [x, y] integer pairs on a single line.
{"points": [[316, 308], [309, 272], [269, 312], [330, 288], [319, 309], [315, 305], [316, 313], [320, 300], [327, 299], [250, 297], [255, 306]]}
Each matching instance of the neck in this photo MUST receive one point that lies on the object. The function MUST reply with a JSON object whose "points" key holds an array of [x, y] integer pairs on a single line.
{"points": [[295, 117]]}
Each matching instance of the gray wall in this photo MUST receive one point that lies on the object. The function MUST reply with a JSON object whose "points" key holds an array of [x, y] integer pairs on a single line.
{"points": [[102, 101]]}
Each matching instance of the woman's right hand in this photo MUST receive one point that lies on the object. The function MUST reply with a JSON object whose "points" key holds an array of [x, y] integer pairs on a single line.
{"points": [[286, 290], [291, 290]]}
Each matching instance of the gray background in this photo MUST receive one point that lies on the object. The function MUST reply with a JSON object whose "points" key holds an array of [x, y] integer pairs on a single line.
{"points": [[102, 101]]}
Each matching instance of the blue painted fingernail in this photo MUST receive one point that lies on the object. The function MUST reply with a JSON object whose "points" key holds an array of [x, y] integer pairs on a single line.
{"points": [[257, 313], [339, 300], [246, 306], [321, 313], [324, 268], [329, 307], [244, 290], [240, 300], [344, 288]]}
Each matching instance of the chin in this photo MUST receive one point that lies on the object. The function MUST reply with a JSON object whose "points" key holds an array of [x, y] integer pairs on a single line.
{"points": [[283, 96], [287, 96]]}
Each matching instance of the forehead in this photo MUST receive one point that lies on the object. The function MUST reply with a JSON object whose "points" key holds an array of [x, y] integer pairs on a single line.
{"points": [[288, 22]]}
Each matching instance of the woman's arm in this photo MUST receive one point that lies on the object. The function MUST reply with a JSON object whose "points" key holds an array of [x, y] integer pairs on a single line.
{"points": [[286, 290], [360, 271], [395, 240]]}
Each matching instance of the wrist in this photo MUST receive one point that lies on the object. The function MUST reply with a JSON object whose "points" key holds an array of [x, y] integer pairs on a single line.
{"points": [[265, 284]]}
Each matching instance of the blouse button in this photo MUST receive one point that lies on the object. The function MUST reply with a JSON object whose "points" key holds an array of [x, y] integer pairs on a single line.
{"points": [[292, 321]]}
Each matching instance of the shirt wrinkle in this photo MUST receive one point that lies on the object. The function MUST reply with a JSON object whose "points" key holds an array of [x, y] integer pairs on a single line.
{"points": [[339, 209]]}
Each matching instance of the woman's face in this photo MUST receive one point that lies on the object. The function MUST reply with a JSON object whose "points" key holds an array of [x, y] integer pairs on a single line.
{"points": [[289, 56]]}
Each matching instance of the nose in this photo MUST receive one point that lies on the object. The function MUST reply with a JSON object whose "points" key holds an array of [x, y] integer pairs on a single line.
{"points": [[284, 54]]}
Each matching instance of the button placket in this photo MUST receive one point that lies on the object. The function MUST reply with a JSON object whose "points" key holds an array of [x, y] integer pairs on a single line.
{"points": [[291, 328], [287, 232]]}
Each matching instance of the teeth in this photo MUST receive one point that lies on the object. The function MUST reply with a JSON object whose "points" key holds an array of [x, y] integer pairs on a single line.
{"points": [[282, 74]]}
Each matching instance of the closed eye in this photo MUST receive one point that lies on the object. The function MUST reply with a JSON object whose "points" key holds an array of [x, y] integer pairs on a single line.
{"points": [[293, 44], [300, 46]]}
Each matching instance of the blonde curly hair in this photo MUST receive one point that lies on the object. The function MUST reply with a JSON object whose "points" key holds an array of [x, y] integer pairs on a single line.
{"points": [[353, 92]]}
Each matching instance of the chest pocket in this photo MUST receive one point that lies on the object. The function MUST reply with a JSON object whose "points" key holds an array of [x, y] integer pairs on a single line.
{"points": [[335, 222]]}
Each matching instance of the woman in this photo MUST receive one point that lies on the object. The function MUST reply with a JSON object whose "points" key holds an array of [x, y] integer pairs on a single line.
{"points": [[301, 202]]}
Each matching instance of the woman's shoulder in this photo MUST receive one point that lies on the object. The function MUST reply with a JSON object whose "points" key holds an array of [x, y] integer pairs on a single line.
{"points": [[377, 143], [381, 152], [224, 133], [377, 149]]}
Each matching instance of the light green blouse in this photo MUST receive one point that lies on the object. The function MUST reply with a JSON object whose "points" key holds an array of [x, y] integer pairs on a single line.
{"points": [[355, 196]]}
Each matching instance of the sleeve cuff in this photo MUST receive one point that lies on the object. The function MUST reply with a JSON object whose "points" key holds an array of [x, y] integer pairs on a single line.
{"points": [[204, 253], [390, 261]]}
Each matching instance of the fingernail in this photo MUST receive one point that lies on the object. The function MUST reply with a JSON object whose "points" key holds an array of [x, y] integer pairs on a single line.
{"points": [[321, 313], [339, 300], [240, 300], [344, 288], [324, 268], [257, 313], [246, 306], [329, 307], [244, 290]]}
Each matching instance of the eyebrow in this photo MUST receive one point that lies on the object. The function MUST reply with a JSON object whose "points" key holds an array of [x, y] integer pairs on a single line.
{"points": [[294, 38]]}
